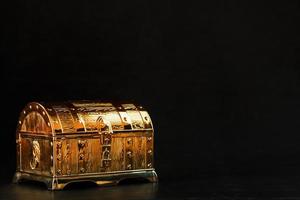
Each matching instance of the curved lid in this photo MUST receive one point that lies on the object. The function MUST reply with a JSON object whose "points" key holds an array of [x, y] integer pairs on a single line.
{"points": [[82, 117]]}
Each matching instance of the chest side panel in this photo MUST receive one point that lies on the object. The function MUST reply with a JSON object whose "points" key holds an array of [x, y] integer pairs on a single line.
{"points": [[35, 155]]}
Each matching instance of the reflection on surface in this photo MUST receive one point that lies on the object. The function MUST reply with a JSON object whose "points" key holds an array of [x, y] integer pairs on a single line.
{"points": [[206, 188], [78, 191]]}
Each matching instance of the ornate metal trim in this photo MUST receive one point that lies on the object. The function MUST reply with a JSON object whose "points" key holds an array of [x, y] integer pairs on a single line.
{"points": [[36, 154]]}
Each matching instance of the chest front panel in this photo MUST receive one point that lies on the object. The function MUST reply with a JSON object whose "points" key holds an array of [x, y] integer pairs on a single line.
{"points": [[104, 153]]}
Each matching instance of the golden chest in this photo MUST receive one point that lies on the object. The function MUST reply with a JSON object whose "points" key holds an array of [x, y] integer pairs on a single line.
{"points": [[60, 143]]}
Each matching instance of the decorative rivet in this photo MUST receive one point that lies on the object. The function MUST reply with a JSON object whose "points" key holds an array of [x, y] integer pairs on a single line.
{"points": [[129, 140], [51, 157], [58, 145], [150, 151], [48, 123], [30, 107], [51, 144], [149, 165], [24, 112], [81, 156], [72, 108], [44, 113], [81, 143], [59, 157], [20, 122], [37, 107]]}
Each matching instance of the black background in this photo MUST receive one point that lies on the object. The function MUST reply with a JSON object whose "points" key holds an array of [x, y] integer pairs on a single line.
{"points": [[219, 79]]}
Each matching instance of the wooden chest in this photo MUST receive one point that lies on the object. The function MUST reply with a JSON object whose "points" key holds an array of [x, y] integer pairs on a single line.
{"points": [[60, 143]]}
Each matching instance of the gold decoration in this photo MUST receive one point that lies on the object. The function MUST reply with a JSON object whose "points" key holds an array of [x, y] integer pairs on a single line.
{"points": [[36, 154]]}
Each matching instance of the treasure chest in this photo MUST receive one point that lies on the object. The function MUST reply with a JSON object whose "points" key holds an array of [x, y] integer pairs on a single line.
{"points": [[61, 143]]}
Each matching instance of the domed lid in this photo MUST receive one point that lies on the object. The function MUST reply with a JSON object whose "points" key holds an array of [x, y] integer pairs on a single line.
{"points": [[82, 117]]}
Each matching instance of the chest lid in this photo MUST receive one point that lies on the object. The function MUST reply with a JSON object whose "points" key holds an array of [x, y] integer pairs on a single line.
{"points": [[82, 117]]}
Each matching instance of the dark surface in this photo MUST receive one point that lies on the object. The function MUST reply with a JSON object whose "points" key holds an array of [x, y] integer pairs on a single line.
{"points": [[220, 80], [241, 187]]}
